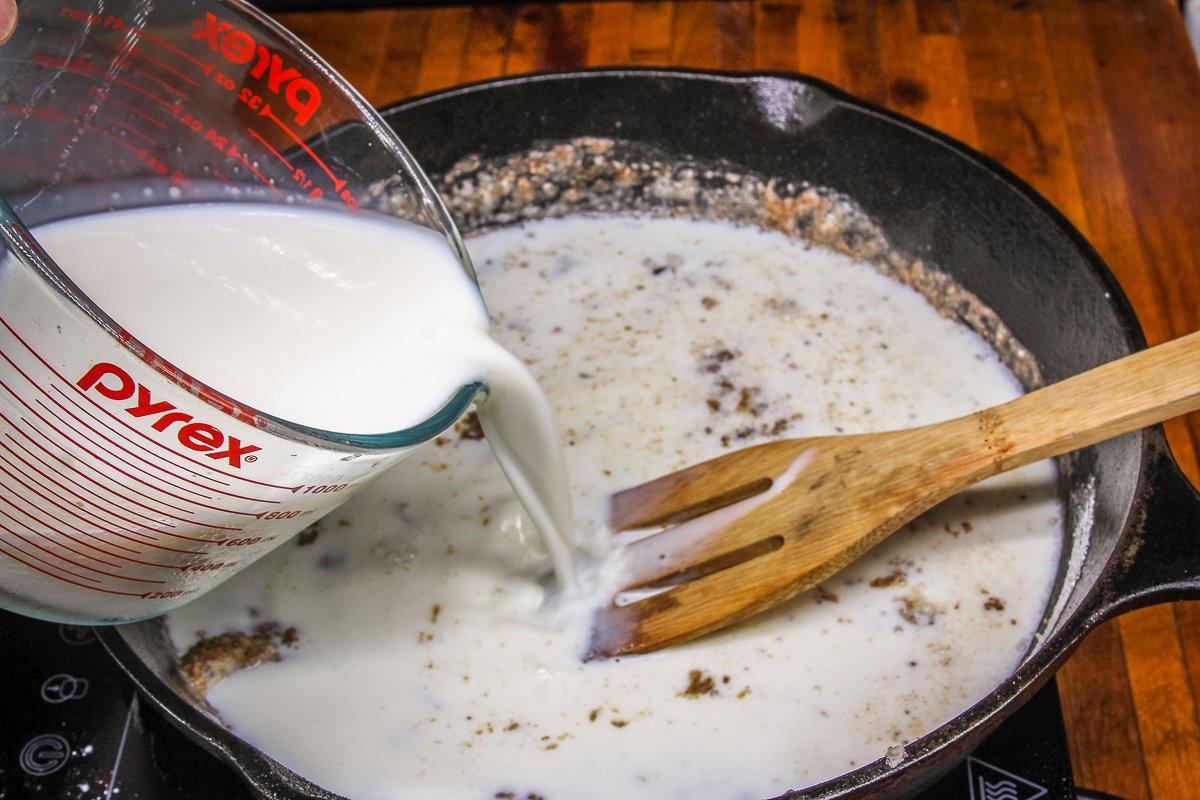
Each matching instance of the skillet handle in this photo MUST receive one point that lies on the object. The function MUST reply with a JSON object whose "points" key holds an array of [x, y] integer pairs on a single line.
{"points": [[1160, 560]]}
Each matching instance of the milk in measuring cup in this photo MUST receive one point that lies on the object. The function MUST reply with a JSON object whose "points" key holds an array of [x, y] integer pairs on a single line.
{"points": [[350, 323]]}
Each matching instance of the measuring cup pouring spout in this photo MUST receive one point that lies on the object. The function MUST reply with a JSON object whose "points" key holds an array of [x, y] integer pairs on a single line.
{"points": [[128, 487], [438, 422]]}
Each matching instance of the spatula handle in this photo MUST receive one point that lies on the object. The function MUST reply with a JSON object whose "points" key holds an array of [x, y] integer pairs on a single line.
{"points": [[1116, 398]]}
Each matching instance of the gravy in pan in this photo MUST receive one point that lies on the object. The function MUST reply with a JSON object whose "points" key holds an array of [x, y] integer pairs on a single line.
{"points": [[432, 657]]}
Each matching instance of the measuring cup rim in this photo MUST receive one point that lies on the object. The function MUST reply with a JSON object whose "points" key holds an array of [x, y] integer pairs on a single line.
{"points": [[375, 122], [23, 246]]}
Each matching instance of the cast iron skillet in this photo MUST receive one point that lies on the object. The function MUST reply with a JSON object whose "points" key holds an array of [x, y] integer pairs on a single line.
{"points": [[1137, 519]]}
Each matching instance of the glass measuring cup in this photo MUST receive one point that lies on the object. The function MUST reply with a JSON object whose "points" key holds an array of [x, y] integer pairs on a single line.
{"points": [[128, 487]]}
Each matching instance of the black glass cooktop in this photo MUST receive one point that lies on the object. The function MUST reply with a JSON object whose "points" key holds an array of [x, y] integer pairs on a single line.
{"points": [[72, 728]]}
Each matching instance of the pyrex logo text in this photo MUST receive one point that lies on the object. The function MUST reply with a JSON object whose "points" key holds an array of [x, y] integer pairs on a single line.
{"points": [[112, 382], [301, 94]]}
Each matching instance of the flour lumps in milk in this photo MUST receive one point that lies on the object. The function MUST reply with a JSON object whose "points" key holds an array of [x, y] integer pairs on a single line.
{"points": [[433, 660]]}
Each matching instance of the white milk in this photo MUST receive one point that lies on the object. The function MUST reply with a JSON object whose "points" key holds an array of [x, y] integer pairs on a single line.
{"points": [[351, 323], [433, 663]]}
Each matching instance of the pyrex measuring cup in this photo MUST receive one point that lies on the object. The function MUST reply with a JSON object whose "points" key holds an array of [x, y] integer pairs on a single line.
{"points": [[126, 486]]}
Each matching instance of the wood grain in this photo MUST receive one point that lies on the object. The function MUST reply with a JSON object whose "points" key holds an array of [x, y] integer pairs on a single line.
{"points": [[1095, 102]]}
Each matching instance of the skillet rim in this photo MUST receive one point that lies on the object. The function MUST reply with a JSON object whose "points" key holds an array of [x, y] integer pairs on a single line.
{"points": [[949, 741]]}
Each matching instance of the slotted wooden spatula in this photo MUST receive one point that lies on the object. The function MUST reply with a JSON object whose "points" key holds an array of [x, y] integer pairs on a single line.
{"points": [[748, 530]]}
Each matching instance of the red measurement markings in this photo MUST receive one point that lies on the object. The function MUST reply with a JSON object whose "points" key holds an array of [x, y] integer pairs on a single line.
{"points": [[56, 429], [115, 23], [108, 428], [98, 498], [139, 113], [149, 95], [118, 445], [77, 564], [107, 463], [78, 66], [302, 180], [81, 393], [163, 43], [127, 128], [121, 61], [222, 178], [66, 410], [236, 154], [74, 468], [143, 154], [20, 560], [122, 448], [142, 54], [121, 534], [99, 151], [67, 547], [172, 89], [55, 527], [51, 114], [273, 151], [11, 532], [91, 497], [26, 451], [58, 567], [140, 152], [98, 457], [338, 183]]}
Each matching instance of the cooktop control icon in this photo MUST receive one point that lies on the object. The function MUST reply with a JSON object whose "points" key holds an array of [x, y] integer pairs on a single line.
{"points": [[44, 754], [989, 782]]}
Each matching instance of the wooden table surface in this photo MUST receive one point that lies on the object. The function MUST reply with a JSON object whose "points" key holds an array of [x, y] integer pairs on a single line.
{"points": [[1095, 103]]}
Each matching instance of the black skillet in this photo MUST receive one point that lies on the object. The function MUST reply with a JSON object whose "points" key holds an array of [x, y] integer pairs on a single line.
{"points": [[1137, 518]]}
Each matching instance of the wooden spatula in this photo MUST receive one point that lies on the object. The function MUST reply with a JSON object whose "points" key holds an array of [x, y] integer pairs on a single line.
{"points": [[748, 530]]}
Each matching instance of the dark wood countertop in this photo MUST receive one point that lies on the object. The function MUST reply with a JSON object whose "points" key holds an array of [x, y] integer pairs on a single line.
{"points": [[1095, 103]]}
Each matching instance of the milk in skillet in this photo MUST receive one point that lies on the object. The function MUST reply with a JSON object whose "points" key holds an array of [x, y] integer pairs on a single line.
{"points": [[430, 657]]}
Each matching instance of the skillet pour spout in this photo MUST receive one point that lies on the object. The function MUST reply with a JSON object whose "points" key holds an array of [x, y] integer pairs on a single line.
{"points": [[1132, 516]]}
